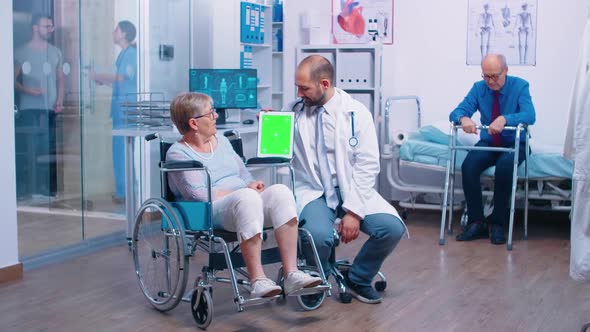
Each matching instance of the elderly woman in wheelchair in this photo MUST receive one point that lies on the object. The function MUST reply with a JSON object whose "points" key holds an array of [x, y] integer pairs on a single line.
{"points": [[240, 203]]}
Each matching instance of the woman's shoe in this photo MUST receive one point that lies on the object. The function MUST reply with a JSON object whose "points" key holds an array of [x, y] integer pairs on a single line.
{"points": [[298, 279], [265, 287]]}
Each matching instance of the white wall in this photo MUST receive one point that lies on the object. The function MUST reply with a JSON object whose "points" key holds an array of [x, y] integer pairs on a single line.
{"points": [[216, 34], [429, 54], [8, 235], [167, 23]]}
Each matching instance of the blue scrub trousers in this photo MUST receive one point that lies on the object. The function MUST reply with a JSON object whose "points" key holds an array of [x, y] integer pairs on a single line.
{"points": [[384, 230], [119, 159]]}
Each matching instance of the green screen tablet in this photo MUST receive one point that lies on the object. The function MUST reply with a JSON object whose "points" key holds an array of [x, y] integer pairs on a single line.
{"points": [[275, 134]]}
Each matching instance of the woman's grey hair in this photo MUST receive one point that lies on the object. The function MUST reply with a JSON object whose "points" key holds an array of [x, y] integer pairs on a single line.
{"points": [[186, 106]]}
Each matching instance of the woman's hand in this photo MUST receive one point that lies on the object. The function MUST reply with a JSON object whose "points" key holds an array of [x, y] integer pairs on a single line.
{"points": [[217, 194], [256, 185]]}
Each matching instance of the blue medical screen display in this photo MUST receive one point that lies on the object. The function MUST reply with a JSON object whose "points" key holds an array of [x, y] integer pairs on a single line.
{"points": [[229, 88]]}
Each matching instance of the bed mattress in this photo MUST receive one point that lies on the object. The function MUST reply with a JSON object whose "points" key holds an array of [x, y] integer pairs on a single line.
{"points": [[417, 148]]}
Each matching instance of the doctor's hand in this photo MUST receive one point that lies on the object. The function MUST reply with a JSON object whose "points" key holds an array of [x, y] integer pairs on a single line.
{"points": [[350, 227], [497, 126], [256, 185], [468, 125]]}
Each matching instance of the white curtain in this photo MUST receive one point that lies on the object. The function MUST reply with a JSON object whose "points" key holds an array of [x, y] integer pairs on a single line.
{"points": [[578, 149]]}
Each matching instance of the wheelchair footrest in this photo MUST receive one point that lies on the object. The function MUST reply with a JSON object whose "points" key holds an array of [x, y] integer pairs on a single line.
{"points": [[258, 300], [312, 290]]}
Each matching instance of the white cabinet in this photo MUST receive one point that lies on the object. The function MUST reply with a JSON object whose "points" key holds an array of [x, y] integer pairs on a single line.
{"points": [[357, 71]]}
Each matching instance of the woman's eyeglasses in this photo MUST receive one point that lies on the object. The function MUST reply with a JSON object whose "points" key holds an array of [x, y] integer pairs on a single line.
{"points": [[210, 115]]}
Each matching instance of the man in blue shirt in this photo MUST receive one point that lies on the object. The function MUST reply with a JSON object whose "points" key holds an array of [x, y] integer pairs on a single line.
{"points": [[502, 100]]}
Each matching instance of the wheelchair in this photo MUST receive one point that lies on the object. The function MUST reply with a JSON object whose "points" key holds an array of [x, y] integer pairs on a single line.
{"points": [[167, 233]]}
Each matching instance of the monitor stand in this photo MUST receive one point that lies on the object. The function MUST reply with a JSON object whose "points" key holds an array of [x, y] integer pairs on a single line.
{"points": [[222, 117]]}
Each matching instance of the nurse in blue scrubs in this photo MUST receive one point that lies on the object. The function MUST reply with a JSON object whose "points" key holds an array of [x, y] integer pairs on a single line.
{"points": [[124, 83]]}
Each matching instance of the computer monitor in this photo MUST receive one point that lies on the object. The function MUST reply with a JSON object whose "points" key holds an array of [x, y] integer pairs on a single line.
{"points": [[229, 88]]}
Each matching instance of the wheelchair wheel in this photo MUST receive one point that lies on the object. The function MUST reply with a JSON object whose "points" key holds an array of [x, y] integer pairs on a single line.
{"points": [[312, 301], [380, 285], [159, 254], [202, 307], [345, 297]]}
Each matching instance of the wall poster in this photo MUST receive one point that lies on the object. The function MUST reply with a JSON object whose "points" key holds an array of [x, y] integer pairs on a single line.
{"points": [[508, 27], [362, 21]]}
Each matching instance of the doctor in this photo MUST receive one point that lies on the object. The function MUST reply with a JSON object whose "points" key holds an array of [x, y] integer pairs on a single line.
{"points": [[336, 162]]}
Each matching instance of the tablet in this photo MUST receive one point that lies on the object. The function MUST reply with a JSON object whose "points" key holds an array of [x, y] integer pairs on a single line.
{"points": [[275, 134]]}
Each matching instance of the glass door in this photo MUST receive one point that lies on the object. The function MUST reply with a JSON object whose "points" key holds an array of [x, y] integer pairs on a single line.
{"points": [[47, 130], [75, 62], [78, 91], [109, 81]]}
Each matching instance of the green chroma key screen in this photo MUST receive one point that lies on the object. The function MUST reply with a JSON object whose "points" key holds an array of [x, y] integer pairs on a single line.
{"points": [[275, 134]]}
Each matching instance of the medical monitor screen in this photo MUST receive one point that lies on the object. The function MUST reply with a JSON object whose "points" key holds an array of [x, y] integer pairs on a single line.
{"points": [[229, 88]]}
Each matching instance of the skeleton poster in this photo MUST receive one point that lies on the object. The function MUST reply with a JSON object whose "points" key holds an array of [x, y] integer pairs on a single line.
{"points": [[508, 27], [362, 21]]}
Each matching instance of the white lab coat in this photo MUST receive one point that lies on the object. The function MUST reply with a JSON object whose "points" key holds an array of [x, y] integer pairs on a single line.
{"points": [[356, 167], [576, 148]]}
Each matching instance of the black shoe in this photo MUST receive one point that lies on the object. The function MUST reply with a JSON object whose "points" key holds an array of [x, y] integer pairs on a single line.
{"points": [[365, 294], [474, 231], [497, 236]]}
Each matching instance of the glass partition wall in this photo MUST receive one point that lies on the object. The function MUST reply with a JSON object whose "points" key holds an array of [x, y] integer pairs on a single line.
{"points": [[68, 72], [80, 67]]}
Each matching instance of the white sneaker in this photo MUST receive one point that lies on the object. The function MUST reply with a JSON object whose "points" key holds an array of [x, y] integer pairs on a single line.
{"points": [[298, 280], [265, 287]]}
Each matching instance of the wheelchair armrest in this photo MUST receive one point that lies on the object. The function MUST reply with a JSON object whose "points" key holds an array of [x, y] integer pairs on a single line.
{"points": [[151, 136], [181, 164], [267, 161], [231, 134]]}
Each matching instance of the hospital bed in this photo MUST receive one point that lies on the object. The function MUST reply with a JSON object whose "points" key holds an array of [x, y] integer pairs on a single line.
{"points": [[426, 150]]}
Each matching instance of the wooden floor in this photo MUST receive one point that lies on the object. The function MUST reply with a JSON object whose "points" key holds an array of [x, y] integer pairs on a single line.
{"points": [[457, 287], [50, 226]]}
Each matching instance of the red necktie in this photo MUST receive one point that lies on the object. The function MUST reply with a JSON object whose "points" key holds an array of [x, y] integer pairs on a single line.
{"points": [[496, 138]]}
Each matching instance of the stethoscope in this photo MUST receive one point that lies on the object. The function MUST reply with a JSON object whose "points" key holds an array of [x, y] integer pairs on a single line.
{"points": [[353, 141]]}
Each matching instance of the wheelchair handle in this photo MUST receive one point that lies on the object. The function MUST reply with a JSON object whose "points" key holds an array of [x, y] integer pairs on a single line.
{"points": [[151, 136], [267, 160], [181, 165]]}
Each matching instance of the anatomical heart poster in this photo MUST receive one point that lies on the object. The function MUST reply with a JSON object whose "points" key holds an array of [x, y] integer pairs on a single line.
{"points": [[362, 21]]}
